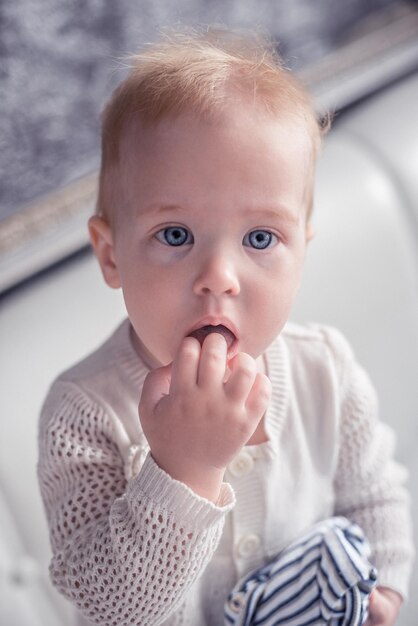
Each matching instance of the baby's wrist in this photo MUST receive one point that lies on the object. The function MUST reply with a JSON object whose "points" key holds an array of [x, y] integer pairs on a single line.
{"points": [[209, 487], [204, 482]]}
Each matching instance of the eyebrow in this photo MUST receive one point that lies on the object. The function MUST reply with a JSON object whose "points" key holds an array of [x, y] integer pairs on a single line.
{"points": [[280, 212], [159, 208]]}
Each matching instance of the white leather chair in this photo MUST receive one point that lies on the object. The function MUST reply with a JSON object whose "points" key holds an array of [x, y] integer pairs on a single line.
{"points": [[362, 266], [361, 276]]}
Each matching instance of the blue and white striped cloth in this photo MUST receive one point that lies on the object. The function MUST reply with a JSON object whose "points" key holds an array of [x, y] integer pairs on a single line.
{"points": [[322, 578]]}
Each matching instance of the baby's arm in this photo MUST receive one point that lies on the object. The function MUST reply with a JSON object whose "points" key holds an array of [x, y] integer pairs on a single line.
{"points": [[370, 485], [123, 553], [195, 421]]}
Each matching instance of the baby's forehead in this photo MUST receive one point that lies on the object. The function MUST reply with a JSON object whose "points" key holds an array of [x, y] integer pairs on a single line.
{"points": [[140, 138], [180, 153], [212, 176]]}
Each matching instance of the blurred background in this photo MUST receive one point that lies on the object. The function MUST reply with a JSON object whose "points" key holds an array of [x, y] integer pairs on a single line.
{"points": [[58, 63]]}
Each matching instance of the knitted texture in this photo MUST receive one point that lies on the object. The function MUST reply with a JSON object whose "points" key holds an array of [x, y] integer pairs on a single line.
{"points": [[133, 546], [121, 557], [366, 458]]}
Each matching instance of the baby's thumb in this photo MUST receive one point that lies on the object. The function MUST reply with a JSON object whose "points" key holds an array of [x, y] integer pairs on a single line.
{"points": [[156, 386]]}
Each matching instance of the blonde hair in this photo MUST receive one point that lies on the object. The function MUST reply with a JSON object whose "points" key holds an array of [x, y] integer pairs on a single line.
{"points": [[199, 71]]}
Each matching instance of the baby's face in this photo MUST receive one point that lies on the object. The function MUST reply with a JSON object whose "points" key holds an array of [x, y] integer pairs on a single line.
{"points": [[213, 230]]}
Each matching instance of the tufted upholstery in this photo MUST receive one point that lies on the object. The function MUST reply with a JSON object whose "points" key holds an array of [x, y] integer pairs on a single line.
{"points": [[361, 276]]}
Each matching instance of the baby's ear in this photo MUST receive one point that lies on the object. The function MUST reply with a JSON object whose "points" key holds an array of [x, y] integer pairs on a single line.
{"points": [[101, 238]]}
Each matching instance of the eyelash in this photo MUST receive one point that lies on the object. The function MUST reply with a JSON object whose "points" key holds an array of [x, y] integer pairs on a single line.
{"points": [[271, 238], [180, 229], [161, 236]]}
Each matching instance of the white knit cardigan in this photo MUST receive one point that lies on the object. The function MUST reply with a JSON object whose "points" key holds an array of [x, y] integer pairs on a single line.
{"points": [[133, 546]]}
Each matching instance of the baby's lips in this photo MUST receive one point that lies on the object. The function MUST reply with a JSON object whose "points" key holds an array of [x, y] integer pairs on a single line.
{"points": [[201, 333]]}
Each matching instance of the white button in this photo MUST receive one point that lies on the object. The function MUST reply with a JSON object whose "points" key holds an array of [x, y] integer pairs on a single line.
{"points": [[237, 601], [242, 464], [247, 545]]}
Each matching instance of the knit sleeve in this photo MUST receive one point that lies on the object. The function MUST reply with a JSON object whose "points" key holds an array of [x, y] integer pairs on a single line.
{"points": [[122, 553], [369, 484]]}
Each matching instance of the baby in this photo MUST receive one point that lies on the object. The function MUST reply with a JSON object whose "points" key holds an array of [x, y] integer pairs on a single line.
{"points": [[250, 430]]}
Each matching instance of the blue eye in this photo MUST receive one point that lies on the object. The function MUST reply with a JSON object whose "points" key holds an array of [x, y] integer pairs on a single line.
{"points": [[259, 239], [174, 236]]}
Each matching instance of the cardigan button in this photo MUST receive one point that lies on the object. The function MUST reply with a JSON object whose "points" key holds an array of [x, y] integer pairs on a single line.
{"points": [[247, 545], [242, 464]]}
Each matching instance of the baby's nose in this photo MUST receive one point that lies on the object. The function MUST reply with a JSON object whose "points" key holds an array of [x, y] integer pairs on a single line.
{"points": [[217, 276]]}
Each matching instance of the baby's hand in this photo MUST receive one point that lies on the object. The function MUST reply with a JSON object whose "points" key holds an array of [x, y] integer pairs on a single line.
{"points": [[195, 421], [384, 607]]}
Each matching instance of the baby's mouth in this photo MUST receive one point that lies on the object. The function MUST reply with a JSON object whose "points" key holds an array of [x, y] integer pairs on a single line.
{"points": [[201, 333]]}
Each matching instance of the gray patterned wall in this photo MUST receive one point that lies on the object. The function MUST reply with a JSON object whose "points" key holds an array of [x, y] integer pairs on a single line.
{"points": [[59, 60]]}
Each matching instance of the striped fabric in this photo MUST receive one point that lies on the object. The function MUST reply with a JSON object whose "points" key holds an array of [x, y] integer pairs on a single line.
{"points": [[322, 578]]}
